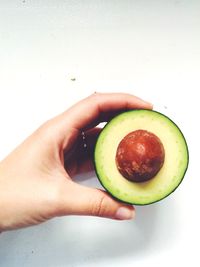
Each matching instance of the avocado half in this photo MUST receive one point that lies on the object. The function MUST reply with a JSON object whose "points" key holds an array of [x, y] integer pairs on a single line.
{"points": [[165, 181]]}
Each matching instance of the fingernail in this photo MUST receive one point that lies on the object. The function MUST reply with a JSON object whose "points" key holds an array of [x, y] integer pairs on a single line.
{"points": [[124, 214]]}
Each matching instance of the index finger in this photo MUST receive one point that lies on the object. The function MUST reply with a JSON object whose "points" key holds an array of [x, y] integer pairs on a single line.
{"points": [[86, 112]]}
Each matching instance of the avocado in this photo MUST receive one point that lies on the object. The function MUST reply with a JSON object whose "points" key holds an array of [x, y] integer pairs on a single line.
{"points": [[154, 140]]}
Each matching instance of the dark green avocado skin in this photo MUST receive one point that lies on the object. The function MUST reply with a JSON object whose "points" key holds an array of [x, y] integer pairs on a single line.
{"points": [[139, 204]]}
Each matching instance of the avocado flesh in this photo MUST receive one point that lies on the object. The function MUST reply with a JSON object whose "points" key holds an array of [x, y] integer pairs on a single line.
{"points": [[166, 180]]}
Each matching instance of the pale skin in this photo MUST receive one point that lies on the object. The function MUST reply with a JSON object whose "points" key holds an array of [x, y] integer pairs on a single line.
{"points": [[36, 179]]}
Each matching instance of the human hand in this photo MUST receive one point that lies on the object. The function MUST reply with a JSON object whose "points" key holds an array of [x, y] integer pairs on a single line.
{"points": [[36, 178]]}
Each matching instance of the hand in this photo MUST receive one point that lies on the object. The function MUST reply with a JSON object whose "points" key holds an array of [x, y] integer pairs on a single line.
{"points": [[36, 178]]}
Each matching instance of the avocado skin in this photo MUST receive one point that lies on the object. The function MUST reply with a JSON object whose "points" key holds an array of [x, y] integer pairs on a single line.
{"points": [[149, 203]]}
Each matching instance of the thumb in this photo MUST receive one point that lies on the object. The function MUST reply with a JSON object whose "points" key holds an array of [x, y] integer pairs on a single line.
{"points": [[81, 200]]}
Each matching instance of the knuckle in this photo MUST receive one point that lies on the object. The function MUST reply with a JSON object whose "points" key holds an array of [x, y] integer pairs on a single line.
{"points": [[43, 130], [99, 207], [46, 132], [46, 127]]}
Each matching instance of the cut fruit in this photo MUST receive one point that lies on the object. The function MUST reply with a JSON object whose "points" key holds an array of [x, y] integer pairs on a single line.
{"points": [[167, 178]]}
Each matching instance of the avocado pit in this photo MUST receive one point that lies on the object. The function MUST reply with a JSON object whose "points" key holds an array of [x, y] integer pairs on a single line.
{"points": [[140, 156]]}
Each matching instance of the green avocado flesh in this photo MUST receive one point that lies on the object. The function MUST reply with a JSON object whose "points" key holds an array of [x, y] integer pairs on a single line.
{"points": [[165, 181]]}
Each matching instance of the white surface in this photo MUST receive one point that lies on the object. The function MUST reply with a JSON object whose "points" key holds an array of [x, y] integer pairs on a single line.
{"points": [[148, 48]]}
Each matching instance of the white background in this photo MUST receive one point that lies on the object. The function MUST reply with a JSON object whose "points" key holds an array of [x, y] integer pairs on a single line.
{"points": [[148, 48]]}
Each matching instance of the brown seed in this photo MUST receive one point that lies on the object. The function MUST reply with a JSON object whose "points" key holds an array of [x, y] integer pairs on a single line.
{"points": [[140, 156]]}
